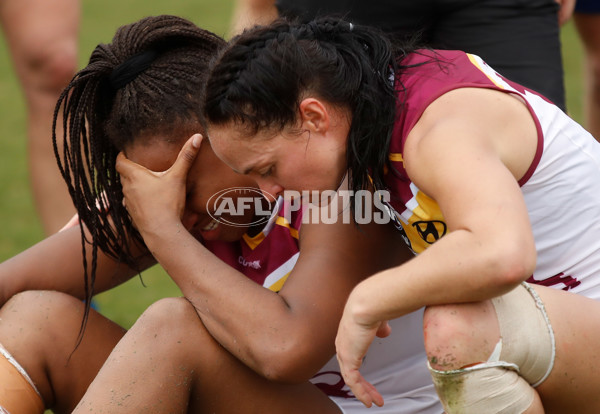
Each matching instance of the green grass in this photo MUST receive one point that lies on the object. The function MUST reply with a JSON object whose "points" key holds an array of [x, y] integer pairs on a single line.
{"points": [[19, 225]]}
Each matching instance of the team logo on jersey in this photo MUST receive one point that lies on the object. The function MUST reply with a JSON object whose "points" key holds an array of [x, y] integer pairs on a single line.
{"points": [[332, 383], [569, 282], [254, 264], [430, 231]]}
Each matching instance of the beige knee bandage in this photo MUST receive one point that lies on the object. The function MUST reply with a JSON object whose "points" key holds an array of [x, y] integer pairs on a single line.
{"points": [[490, 388], [18, 395], [526, 336], [522, 359]]}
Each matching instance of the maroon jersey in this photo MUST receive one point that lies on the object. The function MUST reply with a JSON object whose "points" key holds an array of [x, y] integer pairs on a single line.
{"points": [[268, 257]]}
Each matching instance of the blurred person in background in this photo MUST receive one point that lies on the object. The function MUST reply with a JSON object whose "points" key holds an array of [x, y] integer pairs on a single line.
{"points": [[520, 39], [587, 21], [42, 38]]}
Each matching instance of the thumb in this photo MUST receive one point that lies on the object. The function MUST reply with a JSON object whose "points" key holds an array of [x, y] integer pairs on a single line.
{"points": [[187, 155], [384, 330]]}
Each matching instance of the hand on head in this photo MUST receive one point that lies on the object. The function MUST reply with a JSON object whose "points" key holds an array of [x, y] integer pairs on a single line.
{"points": [[154, 198]]}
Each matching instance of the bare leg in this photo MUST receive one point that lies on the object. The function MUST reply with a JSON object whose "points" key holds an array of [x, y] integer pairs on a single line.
{"points": [[42, 36], [588, 26], [168, 362], [40, 330], [573, 385]]}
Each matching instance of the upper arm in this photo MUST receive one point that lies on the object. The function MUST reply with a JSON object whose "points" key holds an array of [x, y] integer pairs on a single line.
{"points": [[467, 152]]}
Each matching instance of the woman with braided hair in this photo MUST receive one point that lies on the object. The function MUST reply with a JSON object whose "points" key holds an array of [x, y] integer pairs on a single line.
{"points": [[258, 320], [489, 183]]}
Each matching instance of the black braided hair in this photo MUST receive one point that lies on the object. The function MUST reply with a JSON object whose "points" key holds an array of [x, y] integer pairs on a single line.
{"points": [[258, 81], [149, 79]]}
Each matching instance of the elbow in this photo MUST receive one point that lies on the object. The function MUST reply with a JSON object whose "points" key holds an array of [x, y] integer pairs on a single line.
{"points": [[513, 264], [286, 363]]}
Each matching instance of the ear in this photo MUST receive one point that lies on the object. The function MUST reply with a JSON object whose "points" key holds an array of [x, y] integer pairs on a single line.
{"points": [[314, 115]]}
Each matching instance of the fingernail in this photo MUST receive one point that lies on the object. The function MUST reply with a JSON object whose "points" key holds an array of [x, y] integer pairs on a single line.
{"points": [[196, 141]]}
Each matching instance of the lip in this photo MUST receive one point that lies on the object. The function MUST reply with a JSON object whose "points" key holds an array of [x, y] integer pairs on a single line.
{"points": [[209, 230]]}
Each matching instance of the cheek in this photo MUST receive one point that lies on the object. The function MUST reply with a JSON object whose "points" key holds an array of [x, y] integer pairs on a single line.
{"points": [[197, 204]]}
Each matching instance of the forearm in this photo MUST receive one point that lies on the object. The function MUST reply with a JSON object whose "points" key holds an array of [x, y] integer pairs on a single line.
{"points": [[250, 321], [56, 263], [458, 268]]}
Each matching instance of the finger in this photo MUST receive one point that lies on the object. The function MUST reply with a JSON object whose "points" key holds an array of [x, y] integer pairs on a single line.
{"points": [[187, 155], [124, 166], [359, 388], [374, 395], [384, 330]]}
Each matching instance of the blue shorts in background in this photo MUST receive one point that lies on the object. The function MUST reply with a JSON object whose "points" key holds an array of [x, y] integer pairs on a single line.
{"points": [[587, 6]]}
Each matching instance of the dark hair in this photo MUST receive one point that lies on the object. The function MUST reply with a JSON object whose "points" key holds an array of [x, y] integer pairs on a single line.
{"points": [[259, 79], [149, 79]]}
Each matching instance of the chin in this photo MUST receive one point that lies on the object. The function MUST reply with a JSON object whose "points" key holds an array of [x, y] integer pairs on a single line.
{"points": [[232, 234]]}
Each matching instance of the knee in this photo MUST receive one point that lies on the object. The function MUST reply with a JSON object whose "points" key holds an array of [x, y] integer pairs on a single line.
{"points": [[459, 335], [169, 316], [31, 319], [49, 68], [41, 307]]}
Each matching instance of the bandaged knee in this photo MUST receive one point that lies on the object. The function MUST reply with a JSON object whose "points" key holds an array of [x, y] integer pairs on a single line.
{"points": [[18, 394], [522, 359]]}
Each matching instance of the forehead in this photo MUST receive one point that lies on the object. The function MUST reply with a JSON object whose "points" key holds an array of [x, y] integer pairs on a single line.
{"points": [[238, 149], [154, 154]]}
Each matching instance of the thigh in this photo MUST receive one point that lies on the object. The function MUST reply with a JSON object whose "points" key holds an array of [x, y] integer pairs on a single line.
{"points": [[41, 331], [169, 362], [574, 381], [518, 38], [224, 384]]}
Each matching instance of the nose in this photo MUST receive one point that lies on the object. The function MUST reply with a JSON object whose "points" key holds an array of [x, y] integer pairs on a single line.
{"points": [[270, 189]]}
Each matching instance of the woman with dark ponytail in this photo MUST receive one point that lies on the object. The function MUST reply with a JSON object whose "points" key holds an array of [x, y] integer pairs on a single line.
{"points": [[489, 184], [255, 331]]}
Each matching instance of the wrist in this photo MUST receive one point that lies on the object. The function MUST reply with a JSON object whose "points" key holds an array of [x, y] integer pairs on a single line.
{"points": [[360, 305], [161, 230]]}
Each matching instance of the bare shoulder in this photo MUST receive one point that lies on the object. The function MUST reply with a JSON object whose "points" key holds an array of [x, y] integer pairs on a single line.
{"points": [[477, 119]]}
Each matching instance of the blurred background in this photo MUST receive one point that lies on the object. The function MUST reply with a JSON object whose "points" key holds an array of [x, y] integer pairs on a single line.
{"points": [[19, 225]]}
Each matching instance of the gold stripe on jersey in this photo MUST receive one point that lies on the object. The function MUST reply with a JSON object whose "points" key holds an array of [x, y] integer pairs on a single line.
{"points": [[276, 287], [396, 157], [277, 277], [253, 242], [478, 66], [283, 222]]}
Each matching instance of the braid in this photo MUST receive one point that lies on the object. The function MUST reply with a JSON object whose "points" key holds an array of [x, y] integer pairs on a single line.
{"points": [[259, 79], [101, 117]]}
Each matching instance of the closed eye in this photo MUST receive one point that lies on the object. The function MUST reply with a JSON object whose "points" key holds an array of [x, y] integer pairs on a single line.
{"points": [[267, 173]]}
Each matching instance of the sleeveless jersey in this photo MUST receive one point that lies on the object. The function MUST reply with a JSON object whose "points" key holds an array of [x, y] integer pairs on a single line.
{"points": [[561, 187], [395, 365], [268, 257]]}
